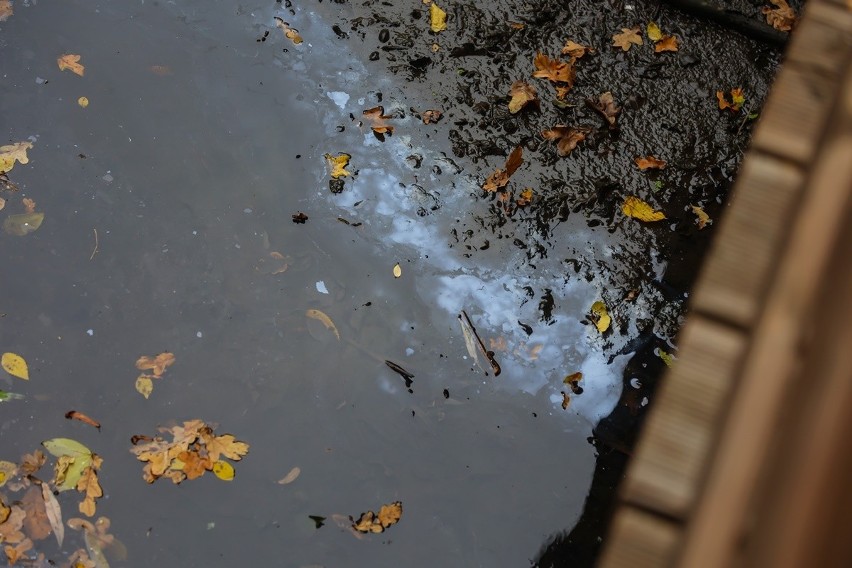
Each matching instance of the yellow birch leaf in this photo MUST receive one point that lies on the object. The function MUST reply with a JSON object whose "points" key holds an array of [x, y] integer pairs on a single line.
{"points": [[338, 165], [11, 153], [144, 385], [325, 320], [70, 62], [223, 470], [654, 32], [703, 219], [638, 209], [15, 365], [83, 102], [601, 316], [397, 270], [437, 18]]}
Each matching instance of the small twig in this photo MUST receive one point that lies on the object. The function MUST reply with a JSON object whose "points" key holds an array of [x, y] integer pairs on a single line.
{"points": [[747, 114], [95, 250]]}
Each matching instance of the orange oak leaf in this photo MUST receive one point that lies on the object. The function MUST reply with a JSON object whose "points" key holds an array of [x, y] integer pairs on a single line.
{"points": [[782, 17], [500, 177], [667, 43], [605, 106], [566, 138], [575, 50], [649, 163], [158, 364], [72, 63], [627, 38], [376, 116], [736, 102], [553, 69], [522, 94]]}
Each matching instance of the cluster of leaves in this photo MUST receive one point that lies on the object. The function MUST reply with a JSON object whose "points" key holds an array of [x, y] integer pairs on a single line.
{"points": [[157, 365], [371, 522], [781, 16], [193, 450]]}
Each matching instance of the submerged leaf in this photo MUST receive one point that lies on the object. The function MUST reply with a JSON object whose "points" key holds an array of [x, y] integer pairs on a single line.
{"points": [[575, 50], [54, 513], [23, 223], [638, 209], [325, 320], [15, 365], [782, 17], [605, 106], [290, 33]]}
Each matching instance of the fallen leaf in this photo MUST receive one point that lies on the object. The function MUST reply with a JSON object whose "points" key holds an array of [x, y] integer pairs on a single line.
{"points": [[397, 270], [703, 219], [290, 33], [10, 528], [73, 459], [638, 209], [23, 224], [654, 32], [437, 18], [522, 94], [649, 163], [160, 70], [37, 525], [2, 203], [573, 378], [500, 177], [99, 542], [376, 116], [431, 116], [575, 50], [600, 317], [325, 320], [11, 153], [668, 43], [566, 400], [627, 38], [157, 364], [566, 138], [29, 204], [605, 106], [525, 198], [70, 62], [782, 17], [667, 358], [14, 553], [74, 415], [31, 463], [738, 97], [338, 165], [54, 513], [7, 472], [290, 477], [553, 69], [224, 470], [144, 385], [15, 365], [737, 100], [562, 91], [6, 395], [5, 10], [370, 522]]}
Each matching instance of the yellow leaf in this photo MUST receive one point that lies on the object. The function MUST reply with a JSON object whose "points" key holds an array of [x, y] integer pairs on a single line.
{"points": [[397, 270], [72, 63], [600, 316], [290, 33], [437, 18], [635, 207], [15, 365], [667, 358], [654, 32], [738, 97], [703, 218], [7, 471], [371, 522], [338, 165], [223, 470], [144, 385], [83, 102], [13, 152], [325, 320]]}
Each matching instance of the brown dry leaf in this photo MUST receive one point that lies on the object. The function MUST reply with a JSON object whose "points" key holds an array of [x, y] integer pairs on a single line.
{"points": [[31, 463], [14, 553], [10, 529], [158, 364], [737, 100], [553, 69], [2, 203], [638, 209], [782, 17], [11, 153], [668, 43], [192, 464], [523, 200], [562, 91], [290, 33], [75, 415], [702, 218], [576, 50], [376, 116], [566, 137], [5, 10], [224, 445], [90, 486], [370, 522], [566, 400], [431, 116], [605, 106], [53, 512], [627, 38], [522, 94], [500, 177], [72, 63], [649, 163], [36, 524]]}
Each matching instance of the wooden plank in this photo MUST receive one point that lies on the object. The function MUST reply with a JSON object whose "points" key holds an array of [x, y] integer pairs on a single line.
{"points": [[672, 454], [737, 269], [640, 540], [823, 39]]}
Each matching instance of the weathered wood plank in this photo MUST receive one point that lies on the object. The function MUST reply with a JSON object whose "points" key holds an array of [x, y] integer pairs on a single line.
{"points": [[668, 464], [823, 40], [640, 540]]}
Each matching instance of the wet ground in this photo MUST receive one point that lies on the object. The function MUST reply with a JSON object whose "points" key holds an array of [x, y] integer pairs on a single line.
{"points": [[168, 226]]}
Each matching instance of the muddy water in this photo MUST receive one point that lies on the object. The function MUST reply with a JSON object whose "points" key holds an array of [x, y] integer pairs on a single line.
{"points": [[206, 131]]}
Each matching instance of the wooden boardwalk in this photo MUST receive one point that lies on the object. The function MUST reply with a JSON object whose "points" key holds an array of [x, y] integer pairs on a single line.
{"points": [[745, 457]]}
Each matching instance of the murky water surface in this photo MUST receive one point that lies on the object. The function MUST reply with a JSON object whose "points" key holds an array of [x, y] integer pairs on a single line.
{"points": [[206, 131]]}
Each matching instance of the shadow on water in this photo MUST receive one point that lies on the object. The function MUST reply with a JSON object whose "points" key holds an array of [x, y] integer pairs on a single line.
{"points": [[207, 130]]}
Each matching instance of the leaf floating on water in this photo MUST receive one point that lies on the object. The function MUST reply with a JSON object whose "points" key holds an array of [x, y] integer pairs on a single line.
{"points": [[500, 177], [575, 50], [566, 400], [553, 70], [378, 120], [702, 218], [325, 320], [638, 209], [668, 43], [290, 477], [406, 376], [83, 102], [73, 460], [370, 522], [437, 18], [54, 513], [737, 100], [338, 165], [144, 385], [72, 63], [290, 33], [74, 415], [5, 395], [224, 470], [600, 316], [15, 365], [397, 270], [12, 153], [157, 364], [23, 223]]}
